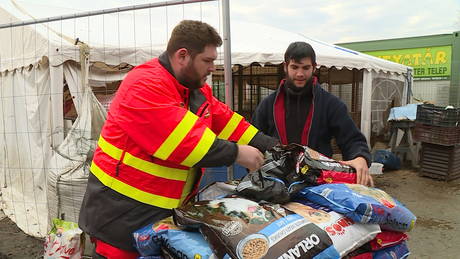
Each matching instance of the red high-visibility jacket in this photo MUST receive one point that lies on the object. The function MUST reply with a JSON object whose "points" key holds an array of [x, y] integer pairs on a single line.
{"points": [[151, 140]]}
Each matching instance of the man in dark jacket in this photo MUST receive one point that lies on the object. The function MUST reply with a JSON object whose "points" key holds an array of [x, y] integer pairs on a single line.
{"points": [[302, 112]]}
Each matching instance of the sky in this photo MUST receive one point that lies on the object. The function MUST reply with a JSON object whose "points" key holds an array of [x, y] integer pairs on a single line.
{"points": [[330, 21]]}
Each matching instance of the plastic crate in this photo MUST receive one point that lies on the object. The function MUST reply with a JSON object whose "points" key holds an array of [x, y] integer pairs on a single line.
{"points": [[437, 115], [440, 162], [445, 136]]}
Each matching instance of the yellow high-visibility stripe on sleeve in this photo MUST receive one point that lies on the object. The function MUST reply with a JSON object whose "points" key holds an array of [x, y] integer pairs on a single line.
{"points": [[200, 149], [231, 126], [132, 192], [248, 135], [176, 136]]}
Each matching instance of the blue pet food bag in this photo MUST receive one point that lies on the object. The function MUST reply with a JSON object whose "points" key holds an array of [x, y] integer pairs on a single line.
{"points": [[362, 204], [183, 244]]}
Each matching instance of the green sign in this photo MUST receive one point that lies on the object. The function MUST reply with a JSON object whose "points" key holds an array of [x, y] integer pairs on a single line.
{"points": [[428, 63]]}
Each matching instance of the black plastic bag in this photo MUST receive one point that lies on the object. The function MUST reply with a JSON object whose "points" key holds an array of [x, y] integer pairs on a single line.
{"points": [[279, 179]]}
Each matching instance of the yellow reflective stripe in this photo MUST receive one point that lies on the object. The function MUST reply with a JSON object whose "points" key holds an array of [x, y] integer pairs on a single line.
{"points": [[248, 135], [130, 191], [142, 165], [155, 169], [190, 183], [109, 149], [178, 134], [200, 149], [231, 126]]}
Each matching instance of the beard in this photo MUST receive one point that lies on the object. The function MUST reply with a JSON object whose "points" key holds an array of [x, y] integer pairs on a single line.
{"points": [[290, 84], [190, 77]]}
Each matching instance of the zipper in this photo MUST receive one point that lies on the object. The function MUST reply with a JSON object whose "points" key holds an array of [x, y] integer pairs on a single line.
{"points": [[273, 111], [185, 98], [119, 162], [204, 109]]}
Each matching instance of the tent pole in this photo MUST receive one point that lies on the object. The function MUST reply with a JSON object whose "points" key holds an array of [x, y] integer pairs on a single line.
{"points": [[227, 54], [84, 57], [228, 68], [366, 105]]}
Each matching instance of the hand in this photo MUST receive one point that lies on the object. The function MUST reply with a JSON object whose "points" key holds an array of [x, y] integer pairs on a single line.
{"points": [[362, 171], [249, 157]]}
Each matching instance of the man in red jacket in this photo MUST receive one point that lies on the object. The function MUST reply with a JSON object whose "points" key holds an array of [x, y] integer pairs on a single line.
{"points": [[163, 126]]}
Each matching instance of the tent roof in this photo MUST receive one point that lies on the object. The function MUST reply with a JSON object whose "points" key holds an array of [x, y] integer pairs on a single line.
{"points": [[117, 38], [264, 44]]}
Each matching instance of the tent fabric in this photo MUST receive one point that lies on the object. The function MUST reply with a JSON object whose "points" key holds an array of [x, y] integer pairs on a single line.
{"points": [[25, 143], [250, 42], [385, 87], [253, 42], [27, 45], [35, 60]]}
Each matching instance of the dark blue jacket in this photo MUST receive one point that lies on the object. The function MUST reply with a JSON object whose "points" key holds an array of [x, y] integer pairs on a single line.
{"points": [[329, 117]]}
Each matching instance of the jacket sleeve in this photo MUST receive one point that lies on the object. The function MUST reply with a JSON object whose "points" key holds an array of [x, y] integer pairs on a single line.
{"points": [[224, 152], [152, 116], [221, 153], [260, 117], [350, 139]]}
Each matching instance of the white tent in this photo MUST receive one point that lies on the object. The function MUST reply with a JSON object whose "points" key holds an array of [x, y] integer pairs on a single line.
{"points": [[35, 59]]}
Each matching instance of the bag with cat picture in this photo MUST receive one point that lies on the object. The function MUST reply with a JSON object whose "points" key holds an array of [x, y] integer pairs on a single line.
{"points": [[239, 228]]}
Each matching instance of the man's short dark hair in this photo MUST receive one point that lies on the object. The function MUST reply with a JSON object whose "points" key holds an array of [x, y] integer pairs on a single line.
{"points": [[299, 50], [194, 36]]}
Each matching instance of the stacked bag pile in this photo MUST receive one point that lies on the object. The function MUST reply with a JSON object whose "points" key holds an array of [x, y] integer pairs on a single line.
{"points": [[300, 204]]}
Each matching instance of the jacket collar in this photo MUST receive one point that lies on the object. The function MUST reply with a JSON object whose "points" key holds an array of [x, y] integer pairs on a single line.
{"points": [[280, 116], [164, 61], [182, 90]]}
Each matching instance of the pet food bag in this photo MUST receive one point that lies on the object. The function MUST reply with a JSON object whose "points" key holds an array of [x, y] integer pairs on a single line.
{"points": [[151, 257], [217, 190], [398, 251], [362, 204], [387, 238], [346, 234], [313, 164], [239, 228], [150, 240], [359, 254], [277, 180], [385, 245], [65, 240]]}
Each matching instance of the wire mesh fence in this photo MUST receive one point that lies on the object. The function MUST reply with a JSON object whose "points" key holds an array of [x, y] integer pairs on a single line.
{"points": [[42, 91], [45, 65]]}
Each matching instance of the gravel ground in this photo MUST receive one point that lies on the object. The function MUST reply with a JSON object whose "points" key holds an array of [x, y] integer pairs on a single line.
{"points": [[436, 204], [15, 244]]}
